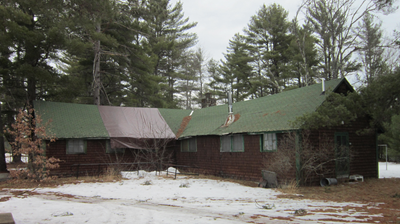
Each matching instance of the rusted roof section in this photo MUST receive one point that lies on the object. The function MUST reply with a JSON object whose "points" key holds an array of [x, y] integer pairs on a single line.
{"points": [[184, 123], [174, 118], [265, 114]]}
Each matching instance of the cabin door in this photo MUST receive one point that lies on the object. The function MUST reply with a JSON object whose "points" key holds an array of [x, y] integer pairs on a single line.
{"points": [[342, 154]]}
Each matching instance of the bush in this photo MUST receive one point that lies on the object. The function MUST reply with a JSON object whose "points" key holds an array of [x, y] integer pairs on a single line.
{"points": [[29, 134]]}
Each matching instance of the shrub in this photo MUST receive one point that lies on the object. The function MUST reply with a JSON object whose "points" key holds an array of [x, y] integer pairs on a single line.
{"points": [[29, 135]]}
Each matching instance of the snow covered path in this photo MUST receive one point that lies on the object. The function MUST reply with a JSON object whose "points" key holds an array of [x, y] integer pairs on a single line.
{"points": [[148, 198]]}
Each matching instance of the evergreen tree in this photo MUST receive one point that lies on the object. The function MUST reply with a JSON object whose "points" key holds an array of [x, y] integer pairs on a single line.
{"points": [[167, 40], [304, 61], [370, 47], [236, 68], [188, 78], [31, 35], [98, 47], [199, 64], [216, 85], [268, 33]]}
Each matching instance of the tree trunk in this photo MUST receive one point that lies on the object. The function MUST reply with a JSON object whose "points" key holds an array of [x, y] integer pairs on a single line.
{"points": [[96, 71]]}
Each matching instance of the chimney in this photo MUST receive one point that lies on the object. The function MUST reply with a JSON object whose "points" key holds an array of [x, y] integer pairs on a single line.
{"points": [[231, 117], [230, 110], [323, 86], [208, 101]]}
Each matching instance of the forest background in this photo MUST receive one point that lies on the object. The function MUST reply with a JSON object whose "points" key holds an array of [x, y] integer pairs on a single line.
{"points": [[143, 53]]}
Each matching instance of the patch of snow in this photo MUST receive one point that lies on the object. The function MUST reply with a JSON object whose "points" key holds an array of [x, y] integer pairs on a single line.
{"points": [[389, 170], [145, 197]]}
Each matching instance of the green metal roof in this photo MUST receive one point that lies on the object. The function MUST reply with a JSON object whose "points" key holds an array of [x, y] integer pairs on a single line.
{"points": [[265, 114], [174, 117], [72, 120]]}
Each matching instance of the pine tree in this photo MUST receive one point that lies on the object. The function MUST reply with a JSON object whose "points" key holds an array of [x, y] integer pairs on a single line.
{"points": [[216, 85], [168, 38], [236, 68], [268, 33], [188, 78], [98, 47], [304, 61], [371, 51], [32, 33]]}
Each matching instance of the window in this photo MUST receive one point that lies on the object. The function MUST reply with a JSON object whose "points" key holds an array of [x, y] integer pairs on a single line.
{"points": [[76, 146], [232, 143], [115, 150], [269, 142], [189, 145]]}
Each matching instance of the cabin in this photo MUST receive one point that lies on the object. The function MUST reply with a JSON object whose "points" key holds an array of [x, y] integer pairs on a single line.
{"points": [[90, 138], [239, 140]]}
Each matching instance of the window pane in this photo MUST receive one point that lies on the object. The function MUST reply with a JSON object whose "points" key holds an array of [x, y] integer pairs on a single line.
{"points": [[270, 142], [237, 143], [225, 143], [192, 145], [76, 146], [185, 145]]}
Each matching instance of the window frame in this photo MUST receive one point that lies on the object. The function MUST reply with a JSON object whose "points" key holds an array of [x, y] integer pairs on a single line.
{"points": [[231, 143], [71, 141], [274, 142], [189, 142]]}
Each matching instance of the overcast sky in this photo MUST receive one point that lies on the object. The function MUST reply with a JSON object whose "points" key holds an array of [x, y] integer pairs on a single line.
{"points": [[219, 20]]}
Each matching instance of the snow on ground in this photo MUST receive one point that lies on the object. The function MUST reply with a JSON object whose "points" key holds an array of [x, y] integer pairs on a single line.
{"points": [[148, 198], [389, 170]]}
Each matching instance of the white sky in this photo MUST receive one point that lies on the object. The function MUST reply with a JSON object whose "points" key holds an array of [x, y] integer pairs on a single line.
{"points": [[219, 20]]}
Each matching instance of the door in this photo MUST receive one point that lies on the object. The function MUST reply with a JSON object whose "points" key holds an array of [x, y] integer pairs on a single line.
{"points": [[342, 154]]}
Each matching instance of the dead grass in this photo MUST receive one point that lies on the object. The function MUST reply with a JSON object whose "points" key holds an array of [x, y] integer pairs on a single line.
{"points": [[290, 187], [381, 193]]}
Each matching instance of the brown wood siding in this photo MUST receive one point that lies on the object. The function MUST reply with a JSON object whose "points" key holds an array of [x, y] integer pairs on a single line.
{"points": [[363, 160], [209, 160], [95, 154], [248, 164]]}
